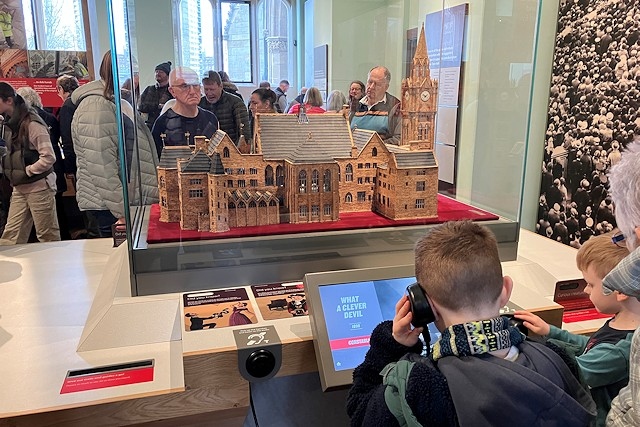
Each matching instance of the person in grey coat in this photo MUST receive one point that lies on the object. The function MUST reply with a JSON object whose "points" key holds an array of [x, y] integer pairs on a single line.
{"points": [[100, 176]]}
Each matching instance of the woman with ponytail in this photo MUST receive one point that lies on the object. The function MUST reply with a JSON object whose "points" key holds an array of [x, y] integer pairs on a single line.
{"points": [[28, 165]]}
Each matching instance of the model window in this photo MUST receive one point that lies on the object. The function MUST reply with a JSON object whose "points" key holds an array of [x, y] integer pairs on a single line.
{"points": [[253, 171], [196, 193], [232, 205], [162, 182], [302, 181], [360, 180], [228, 171], [420, 185], [348, 173], [196, 181], [268, 175], [303, 211], [315, 178], [241, 205], [240, 171], [348, 198], [241, 183], [367, 165], [423, 130], [230, 183], [262, 204], [315, 210], [362, 196], [252, 204], [225, 152], [375, 165], [419, 203], [327, 209], [367, 179], [326, 180], [360, 166], [374, 152], [253, 182], [421, 172], [279, 175], [384, 200], [164, 201], [273, 203]]}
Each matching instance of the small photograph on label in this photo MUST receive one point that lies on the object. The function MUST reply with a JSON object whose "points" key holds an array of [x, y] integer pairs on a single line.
{"points": [[217, 309], [281, 300]]}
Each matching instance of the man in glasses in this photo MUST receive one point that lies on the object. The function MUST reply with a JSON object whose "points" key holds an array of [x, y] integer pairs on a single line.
{"points": [[181, 123]]}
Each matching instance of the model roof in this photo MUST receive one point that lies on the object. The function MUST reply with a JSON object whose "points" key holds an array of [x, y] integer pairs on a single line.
{"points": [[324, 138], [416, 159], [171, 154], [248, 195], [215, 140], [216, 165], [361, 137], [199, 162]]}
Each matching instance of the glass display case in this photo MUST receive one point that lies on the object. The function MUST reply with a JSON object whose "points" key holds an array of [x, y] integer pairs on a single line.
{"points": [[462, 71]]}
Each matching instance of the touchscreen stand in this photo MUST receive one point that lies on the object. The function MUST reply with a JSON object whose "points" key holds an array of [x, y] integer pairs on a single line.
{"points": [[345, 307]]}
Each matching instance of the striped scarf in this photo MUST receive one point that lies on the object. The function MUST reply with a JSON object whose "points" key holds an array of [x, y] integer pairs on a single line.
{"points": [[473, 338]]}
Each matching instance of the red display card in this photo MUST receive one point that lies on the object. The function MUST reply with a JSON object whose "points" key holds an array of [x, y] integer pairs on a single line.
{"points": [[107, 377], [580, 315]]}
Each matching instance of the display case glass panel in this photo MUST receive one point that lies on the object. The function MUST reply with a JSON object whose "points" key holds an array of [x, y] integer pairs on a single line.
{"points": [[304, 192]]}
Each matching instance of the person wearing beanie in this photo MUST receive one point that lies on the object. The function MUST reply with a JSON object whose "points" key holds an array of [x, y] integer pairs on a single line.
{"points": [[154, 97]]}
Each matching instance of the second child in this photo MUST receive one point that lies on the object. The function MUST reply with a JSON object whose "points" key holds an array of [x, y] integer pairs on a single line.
{"points": [[603, 358]]}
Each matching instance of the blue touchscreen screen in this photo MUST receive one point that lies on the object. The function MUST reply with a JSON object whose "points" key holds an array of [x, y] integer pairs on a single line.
{"points": [[353, 310]]}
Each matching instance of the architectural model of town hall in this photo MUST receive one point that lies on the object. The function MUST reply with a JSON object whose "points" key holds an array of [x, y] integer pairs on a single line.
{"points": [[308, 168]]}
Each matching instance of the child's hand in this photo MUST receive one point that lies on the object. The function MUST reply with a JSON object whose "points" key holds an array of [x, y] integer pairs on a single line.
{"points": [[402, 331], [534, 323]]}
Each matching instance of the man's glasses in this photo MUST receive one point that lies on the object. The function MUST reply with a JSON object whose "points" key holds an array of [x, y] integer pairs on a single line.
{"points": [[185, 87], [618, 239]]}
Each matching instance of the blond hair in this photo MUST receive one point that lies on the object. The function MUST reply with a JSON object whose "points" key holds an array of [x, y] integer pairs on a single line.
{"points": [[600, 253], [458, 266]]}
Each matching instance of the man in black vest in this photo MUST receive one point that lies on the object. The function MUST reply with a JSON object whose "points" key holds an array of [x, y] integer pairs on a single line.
{"points": [[229, 109]]}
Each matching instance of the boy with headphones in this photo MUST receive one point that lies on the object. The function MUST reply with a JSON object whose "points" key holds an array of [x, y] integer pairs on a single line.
{"points": [[482, 372]]}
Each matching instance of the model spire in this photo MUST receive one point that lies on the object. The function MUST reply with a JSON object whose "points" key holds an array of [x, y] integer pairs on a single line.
{"points": [[421, 48]]}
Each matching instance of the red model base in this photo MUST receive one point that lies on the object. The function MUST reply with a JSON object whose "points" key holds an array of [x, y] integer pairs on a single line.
{"points": [[448, 210]]}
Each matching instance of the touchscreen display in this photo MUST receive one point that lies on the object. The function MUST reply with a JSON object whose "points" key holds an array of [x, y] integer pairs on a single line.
{"points": [[353, 310]]}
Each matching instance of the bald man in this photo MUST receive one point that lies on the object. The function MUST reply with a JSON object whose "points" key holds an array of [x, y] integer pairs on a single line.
{"points": [[181, 123], [378, 110]]}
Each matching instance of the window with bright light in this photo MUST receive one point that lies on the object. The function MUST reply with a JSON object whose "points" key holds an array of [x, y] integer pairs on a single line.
{"points": [[54, 25], [236, 40], [249, 39], [195, 35]]}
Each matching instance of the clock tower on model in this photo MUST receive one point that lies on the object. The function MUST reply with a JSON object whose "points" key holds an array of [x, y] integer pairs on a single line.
{"points": [[419, 101]]}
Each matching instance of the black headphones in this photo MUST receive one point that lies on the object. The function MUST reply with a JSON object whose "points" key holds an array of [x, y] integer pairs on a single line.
{"points": [[420, 307]]}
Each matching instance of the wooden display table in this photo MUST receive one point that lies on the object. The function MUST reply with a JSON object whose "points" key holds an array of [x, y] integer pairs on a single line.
{"points": [[64, 306]]}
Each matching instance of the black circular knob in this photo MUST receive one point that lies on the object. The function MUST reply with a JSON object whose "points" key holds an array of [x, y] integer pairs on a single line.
{"points": [[260, 363]]}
